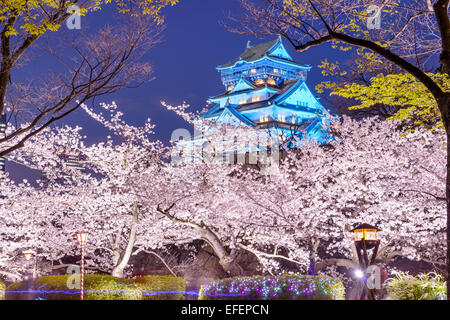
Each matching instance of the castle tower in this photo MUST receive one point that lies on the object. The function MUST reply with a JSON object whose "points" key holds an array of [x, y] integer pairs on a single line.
{"points": [[265, 88]]}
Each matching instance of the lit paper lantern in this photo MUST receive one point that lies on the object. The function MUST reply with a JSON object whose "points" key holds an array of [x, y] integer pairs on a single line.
{"points": [[367, 233], [82, 238]]}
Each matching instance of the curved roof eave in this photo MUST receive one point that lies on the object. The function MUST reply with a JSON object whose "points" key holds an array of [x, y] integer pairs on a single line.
{"points": [[275, 59], [236, 114], [299, 83], [288, 92], [218, 98]]}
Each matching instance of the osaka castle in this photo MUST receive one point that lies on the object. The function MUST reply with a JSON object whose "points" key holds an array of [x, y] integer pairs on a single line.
{"points": [[265, 89]]}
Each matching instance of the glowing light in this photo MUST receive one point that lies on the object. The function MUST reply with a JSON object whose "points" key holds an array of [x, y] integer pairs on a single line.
{"points": [[271, 81], [365, 232], [259, 82], [359, 274], [242, 101], [256, 98], [82, 238], [28, 254], [121, 292], [273, 287]]}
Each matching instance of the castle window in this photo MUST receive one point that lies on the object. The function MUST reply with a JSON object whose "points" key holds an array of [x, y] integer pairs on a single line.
{"points": [[281, 118], [275, 70], [256, 98], [261, 118], [267, 118], [253, 70], [242, 100], [259, 82]]}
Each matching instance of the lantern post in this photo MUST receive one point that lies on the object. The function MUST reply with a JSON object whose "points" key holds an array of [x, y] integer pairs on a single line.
{"points": [[82, 238], [28, 254], [366, 239]]}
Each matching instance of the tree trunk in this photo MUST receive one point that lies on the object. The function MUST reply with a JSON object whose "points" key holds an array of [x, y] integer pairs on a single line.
{"points": [[125, 257], [230, 266], [5, 74], [312, 267], [313, 246], [226, 260]]}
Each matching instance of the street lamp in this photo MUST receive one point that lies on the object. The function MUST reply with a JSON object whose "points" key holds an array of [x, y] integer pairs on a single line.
{"points": [[366, 238], [359, 274], [82, 239], [28, 254]]}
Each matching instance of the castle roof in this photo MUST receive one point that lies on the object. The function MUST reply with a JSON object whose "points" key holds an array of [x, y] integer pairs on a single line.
{"points": [[281, 89], [273, 49], [276, 99], [253, 53]]}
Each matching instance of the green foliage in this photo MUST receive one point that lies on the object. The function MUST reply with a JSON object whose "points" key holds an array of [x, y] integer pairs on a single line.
{"points": [[2, 290], [96, 287], [428, 286], [16, 286], [283, 287], [150, 284], [416, 103], [101, 287], [39, 16], [417, 107]]}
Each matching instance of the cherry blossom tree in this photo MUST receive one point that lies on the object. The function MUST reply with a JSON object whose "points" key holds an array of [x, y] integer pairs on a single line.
{"points": [[89, 64], [132, 199], [27, 220], [414, 37], [368, 173], [198, 190], [101, 200]]}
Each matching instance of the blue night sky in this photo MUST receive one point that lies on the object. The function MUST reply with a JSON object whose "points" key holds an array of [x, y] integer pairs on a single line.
{"points": [[193, 44]]}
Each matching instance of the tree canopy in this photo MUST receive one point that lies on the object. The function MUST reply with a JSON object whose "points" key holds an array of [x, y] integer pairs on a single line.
{"points": [[35, 17], [416, 104]]}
